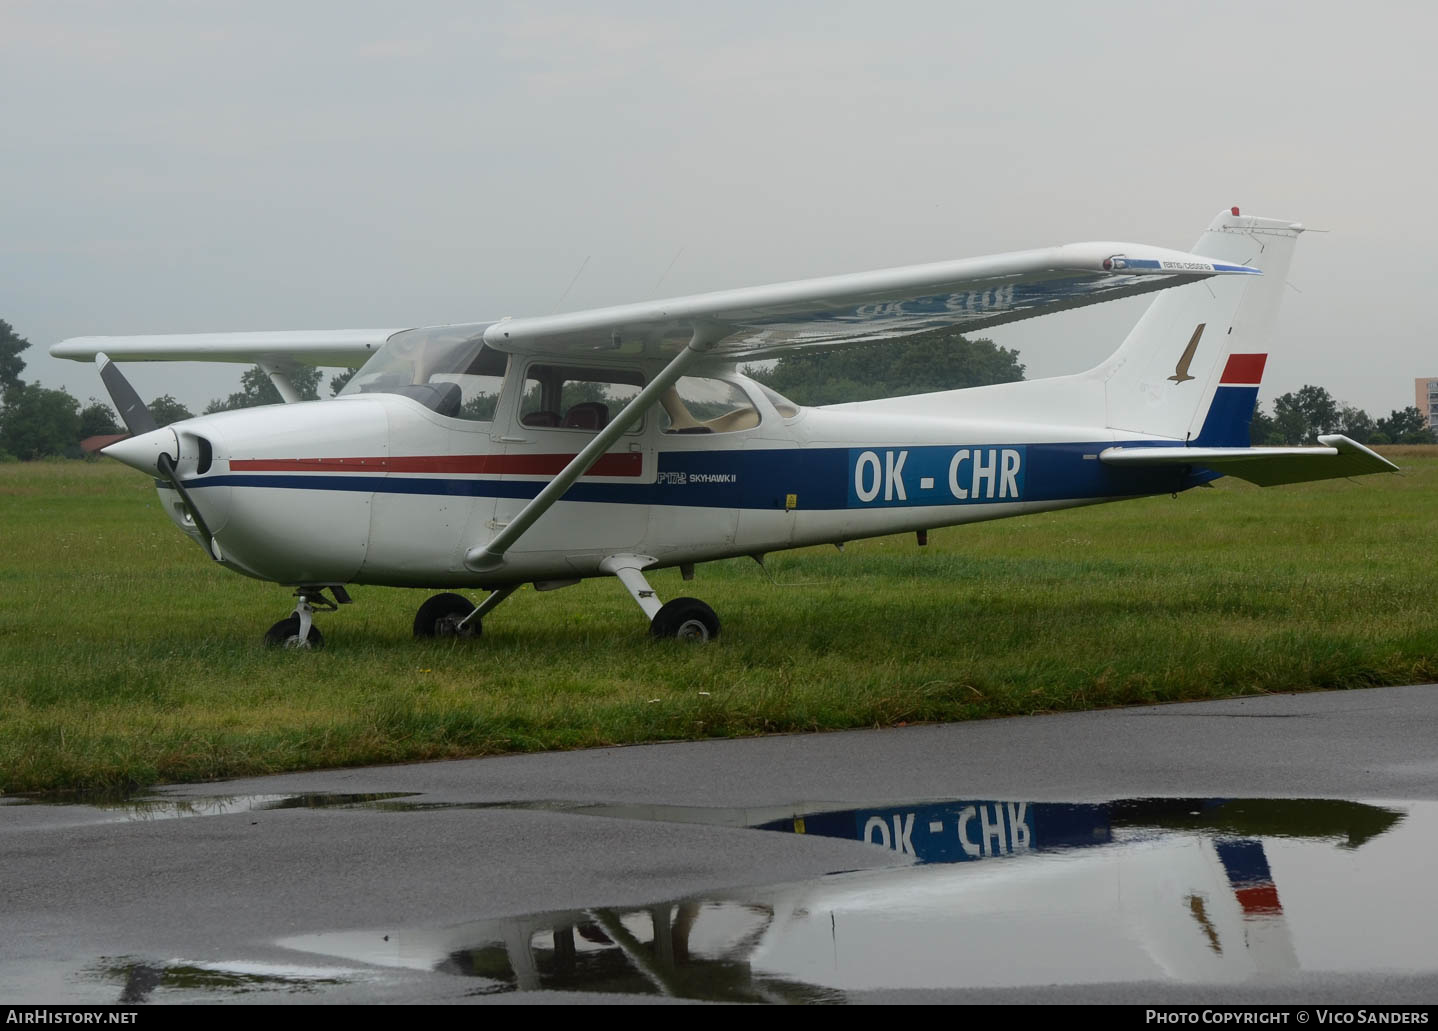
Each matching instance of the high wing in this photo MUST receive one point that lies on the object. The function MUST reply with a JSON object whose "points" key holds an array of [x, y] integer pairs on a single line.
{"points": [[768, 321], [330, 347], [755, 322], [1265, 466]]}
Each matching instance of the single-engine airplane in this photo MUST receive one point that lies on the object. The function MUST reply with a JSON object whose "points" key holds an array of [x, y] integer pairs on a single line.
{"points": [[613, 441]]}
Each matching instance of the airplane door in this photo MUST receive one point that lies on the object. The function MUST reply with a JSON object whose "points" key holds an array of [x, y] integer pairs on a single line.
{"points": [[560, 409], [437, 500], [440, 476], [708, 468]]}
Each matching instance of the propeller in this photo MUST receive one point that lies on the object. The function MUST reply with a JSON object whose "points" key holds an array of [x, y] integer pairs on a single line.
{"points": [[140, 422], [133, 413]]}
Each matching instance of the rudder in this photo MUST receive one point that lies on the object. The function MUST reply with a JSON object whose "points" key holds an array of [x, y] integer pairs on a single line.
{"points": [[1191, 367]]}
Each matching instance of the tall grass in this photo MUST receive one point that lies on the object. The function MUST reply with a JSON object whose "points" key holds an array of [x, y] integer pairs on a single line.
{"points": [[127, 658]]}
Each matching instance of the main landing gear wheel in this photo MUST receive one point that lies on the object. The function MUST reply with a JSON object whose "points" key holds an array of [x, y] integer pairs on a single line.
{"points": [[286, 634], [441, 616], [685, 619]]}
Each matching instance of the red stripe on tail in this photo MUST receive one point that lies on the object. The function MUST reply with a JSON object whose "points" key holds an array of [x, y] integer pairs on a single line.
{"points": [[1244, 368], [1259, 899]]}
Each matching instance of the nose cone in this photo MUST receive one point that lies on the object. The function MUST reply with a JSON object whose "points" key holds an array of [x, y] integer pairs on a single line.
{"points": [[143, 451]]}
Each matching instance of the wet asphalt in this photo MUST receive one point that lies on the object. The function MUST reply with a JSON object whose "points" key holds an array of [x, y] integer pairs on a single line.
{"points": [[634, 874]]}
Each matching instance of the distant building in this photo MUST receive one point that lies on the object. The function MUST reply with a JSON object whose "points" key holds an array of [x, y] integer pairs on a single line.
{"points": [[1425, 392], [90, 445]]}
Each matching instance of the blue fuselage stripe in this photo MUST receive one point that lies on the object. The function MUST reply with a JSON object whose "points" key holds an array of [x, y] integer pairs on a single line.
{"points": [[818, 478]]}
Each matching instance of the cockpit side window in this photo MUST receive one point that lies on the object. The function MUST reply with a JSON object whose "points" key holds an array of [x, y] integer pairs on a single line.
{"points": [[574, 397], [479, 384]]}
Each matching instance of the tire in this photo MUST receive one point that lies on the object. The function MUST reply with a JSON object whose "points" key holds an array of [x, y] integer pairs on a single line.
{"points": [[685, 619], [286, 634], [439, 616]]}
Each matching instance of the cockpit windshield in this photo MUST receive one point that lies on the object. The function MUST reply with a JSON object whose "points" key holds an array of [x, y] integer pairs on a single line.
{"points": [[445, 368]]}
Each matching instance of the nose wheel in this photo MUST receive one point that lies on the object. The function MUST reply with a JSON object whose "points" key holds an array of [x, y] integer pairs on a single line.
{"points": [[286, 634], [299, 632]]}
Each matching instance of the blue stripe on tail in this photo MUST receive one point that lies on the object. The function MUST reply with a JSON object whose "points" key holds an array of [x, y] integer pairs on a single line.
{"points": [[1229, 417]]}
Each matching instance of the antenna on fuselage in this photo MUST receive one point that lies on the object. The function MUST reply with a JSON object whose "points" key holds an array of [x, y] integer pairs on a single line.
{"points": [[570, 287], [668, 268]]}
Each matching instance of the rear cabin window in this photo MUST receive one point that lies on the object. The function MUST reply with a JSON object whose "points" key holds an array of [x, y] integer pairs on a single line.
{"points": [[569, 397], [697, 404]]}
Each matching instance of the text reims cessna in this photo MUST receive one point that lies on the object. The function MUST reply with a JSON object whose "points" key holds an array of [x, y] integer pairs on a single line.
{"points": [[613, 441]]}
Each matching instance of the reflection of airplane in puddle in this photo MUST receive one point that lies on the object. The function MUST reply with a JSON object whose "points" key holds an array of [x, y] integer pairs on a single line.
{"points": [[1146, 890]]}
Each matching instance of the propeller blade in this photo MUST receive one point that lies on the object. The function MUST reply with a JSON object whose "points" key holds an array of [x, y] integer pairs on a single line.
{"points": [[133, 413], [166, 465]]}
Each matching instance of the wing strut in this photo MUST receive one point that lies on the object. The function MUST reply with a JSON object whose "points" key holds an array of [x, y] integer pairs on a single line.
{"points": [[282, 383], [491, 555]]}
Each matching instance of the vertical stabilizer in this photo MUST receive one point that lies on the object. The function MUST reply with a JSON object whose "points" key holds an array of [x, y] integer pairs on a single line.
{"points": [[1190, 368]]}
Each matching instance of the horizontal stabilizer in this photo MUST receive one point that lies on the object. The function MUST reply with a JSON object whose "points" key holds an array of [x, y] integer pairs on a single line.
{"points": [[1265, 466]]}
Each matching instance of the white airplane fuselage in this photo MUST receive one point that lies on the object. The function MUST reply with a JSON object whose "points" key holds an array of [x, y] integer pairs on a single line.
{"points": [[379, 489]]}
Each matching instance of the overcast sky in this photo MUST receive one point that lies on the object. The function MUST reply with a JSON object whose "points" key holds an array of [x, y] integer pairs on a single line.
{"points": [[179, 167]]}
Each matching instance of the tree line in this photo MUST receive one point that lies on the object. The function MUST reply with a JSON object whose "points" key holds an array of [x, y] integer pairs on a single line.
{"points": [[38, 422], [1300, 416]]}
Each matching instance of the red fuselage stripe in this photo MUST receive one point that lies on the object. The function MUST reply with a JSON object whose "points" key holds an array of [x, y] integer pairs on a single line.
{"points": [[627, 464], [1244, 368]]}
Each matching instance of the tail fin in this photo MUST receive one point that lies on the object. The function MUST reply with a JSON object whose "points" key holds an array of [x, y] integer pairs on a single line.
{"points": [[1191, 367]]}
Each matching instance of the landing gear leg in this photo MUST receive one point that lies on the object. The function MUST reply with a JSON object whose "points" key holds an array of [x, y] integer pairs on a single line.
{"points": [[299, 630], [683, 619]]}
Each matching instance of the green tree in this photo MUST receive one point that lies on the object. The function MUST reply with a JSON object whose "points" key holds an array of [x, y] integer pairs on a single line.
{"points": [[938, 360], [341, 379], [11, 364], [1263, 430], [256, 388], [1355, 424], [98, 418], [1406, 426], [166, 410], [37, 422], [1303, 415]]}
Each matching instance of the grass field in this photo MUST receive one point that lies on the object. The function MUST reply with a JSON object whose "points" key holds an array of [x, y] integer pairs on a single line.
{"points": [[127, 658]]}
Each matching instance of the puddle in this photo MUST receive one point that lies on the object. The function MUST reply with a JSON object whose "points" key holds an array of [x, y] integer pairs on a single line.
{"points": [[147, 809], [1001, 894], [996, 893], [180, 981]]}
